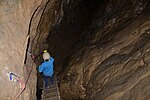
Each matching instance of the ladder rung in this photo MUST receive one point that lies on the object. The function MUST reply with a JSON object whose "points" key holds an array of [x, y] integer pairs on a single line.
{"points": [[52, 93]]}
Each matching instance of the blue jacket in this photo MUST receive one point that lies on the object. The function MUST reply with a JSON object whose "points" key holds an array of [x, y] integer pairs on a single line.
{"points": [[47, 67]]}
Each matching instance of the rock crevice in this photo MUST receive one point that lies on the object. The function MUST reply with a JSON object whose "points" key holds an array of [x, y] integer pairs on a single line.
{"points": [[101, 48]]}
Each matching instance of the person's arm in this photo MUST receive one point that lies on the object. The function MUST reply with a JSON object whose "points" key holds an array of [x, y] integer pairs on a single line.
{"points": [[40, 68]]}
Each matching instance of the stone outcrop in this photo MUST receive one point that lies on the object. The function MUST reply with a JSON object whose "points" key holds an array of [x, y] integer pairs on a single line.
{"points": [[25, 25], [112, 63], [14, 24]]}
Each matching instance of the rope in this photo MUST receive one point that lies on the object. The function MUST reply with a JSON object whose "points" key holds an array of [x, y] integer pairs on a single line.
{"points": [[34, 57], [23, 84]]}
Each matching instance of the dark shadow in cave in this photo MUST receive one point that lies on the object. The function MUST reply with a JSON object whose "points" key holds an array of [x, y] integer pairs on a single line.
{"points": [[77, 18]]}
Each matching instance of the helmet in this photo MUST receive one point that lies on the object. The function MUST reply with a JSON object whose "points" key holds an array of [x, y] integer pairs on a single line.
{"points": [[45, 51], [46, 55]]}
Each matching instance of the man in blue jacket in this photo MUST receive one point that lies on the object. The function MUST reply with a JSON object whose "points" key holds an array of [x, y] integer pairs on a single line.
{"points": [[47, 68]]}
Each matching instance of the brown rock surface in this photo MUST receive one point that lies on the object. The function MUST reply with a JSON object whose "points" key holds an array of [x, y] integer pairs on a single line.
{"points": [[102, 47], [113, 62], [15, 17], [118, 70]]}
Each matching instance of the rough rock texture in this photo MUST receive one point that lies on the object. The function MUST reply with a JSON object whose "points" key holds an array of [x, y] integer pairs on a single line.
{"points": [[74, 18], [122, 74], [14, 23], [111, 61], [101, 47], [42, 23]]}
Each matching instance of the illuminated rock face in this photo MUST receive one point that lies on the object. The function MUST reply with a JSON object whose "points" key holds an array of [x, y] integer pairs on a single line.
{"points": [[101, 48], [24, 26], [15, 17]]}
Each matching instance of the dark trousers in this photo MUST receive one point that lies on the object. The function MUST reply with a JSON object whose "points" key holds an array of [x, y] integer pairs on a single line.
{"points": [[47, 80]]}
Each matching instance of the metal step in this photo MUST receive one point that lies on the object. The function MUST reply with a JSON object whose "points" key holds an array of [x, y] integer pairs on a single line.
{"points": [[52, 93], [50, 90], [52, 98]]}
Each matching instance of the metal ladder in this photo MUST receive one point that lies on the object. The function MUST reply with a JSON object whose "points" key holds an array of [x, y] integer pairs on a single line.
{"points": [[52, 93]]}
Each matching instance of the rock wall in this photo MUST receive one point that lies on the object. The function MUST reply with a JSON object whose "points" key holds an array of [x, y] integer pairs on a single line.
{"points": [[102, 47], [111, 61], [42, 23], [15, 18]]}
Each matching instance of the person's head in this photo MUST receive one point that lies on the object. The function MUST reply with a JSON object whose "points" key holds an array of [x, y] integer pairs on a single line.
{"points": [[46, 56]]}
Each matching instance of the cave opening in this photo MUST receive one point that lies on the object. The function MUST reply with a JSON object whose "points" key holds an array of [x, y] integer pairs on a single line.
{"points": [[77, 18], [101, 49], [62, 37], [76, 27]]}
